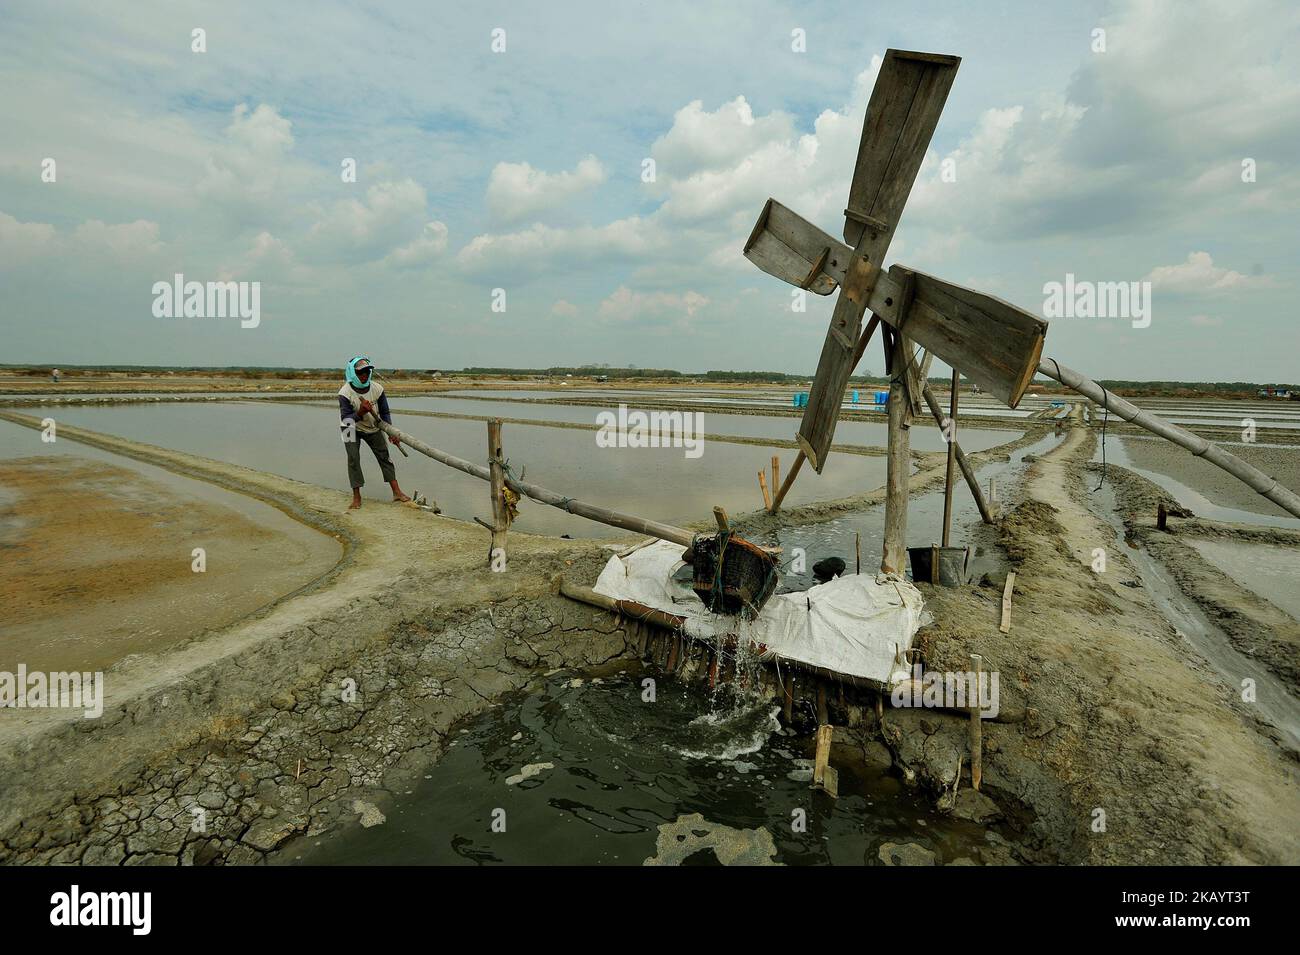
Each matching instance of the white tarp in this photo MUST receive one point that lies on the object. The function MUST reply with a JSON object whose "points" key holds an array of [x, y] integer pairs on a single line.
{"points": [[851, 625]]}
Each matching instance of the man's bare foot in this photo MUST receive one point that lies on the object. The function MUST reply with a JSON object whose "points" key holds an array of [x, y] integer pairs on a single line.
{"points": [[354, 506], [399, 498]]}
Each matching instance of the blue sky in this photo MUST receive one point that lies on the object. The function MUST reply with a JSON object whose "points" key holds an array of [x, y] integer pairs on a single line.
{"points": [[521, 170]]}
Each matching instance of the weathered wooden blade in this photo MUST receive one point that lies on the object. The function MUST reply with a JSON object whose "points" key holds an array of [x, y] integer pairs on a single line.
{"points": [[991, 342], [781, 243], [902, 114]]}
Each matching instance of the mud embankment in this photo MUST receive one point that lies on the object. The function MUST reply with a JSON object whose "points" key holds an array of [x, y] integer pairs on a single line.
{"points": [[221, 748]]}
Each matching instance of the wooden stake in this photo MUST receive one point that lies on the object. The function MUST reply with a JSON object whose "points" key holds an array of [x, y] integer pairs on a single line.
{"points": [[497, 482], [762, 486], [822, 715], [821, 760], [857, 551], [1162, 517], [976, 728], [789, 480], [776, 473], [1005, 625], [952, 460]]}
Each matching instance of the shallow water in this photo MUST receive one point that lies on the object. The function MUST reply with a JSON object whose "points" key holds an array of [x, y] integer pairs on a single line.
{"points": [[302, 443], [783, 428], [1264, 569], [622, 767], [1200, 505]]}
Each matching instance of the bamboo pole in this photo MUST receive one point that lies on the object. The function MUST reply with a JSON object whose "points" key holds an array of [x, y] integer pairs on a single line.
{"points": [[496, 481], [967, 471], [762, 486], [952, 459], [1252, 476], [976, 728], [628, 608], [776, 473], [678, 535]]}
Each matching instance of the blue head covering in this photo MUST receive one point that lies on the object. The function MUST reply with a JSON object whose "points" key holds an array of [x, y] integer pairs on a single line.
{"points": [[350, 373]]}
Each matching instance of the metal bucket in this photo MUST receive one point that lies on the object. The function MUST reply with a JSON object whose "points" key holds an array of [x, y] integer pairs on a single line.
{"points": [[945, 566]]}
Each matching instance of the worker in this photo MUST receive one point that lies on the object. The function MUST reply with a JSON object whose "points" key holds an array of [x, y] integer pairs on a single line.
{"points": [[362, 404]]}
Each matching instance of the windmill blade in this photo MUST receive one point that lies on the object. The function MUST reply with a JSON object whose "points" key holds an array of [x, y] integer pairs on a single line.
{"points": [[902, 114], [993, 343]]}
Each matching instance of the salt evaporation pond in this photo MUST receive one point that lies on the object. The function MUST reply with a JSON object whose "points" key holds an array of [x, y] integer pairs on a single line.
{"points": [[302, 443], [783, 428]]}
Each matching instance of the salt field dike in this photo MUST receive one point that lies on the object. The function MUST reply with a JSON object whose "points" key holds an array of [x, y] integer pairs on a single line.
{"points": [[512, 438]]}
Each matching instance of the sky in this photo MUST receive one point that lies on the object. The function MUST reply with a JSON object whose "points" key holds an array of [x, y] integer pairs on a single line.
{"points": [[1116, 141]]}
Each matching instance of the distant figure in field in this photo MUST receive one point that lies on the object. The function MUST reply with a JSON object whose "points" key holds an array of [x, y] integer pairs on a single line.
{"points": [[362, 404], [54, 375]]}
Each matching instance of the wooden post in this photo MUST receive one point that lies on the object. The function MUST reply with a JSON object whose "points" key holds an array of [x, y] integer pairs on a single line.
{"points": [[821, 760], [1162, 517], [976, 728], [787, 696], [762, 486], [789, 480], [857, 551], [500, 512], [952, 460], [823, 716], [776, 473], [967, 471], [894, 559]]}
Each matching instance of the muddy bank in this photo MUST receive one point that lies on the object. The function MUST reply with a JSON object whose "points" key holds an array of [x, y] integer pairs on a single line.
{"points": [[1256, 627], [229, 717], [1282, 464], [1132, 750]]}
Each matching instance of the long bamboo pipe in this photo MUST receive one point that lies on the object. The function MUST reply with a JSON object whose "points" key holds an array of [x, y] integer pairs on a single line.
{"points": [[1248, 474], [678, 535]]}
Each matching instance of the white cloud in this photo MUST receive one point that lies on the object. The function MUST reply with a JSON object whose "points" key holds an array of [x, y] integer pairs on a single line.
{"points": [[625, 305], [517, 192], [564, 309], [422, 251], [1200, 274], [392, 215]]}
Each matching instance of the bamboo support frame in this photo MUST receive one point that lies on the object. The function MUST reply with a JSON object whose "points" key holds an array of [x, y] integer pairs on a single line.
{"points": [[967, 471], [593, 512], [952, 459], [1251, 476]]}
